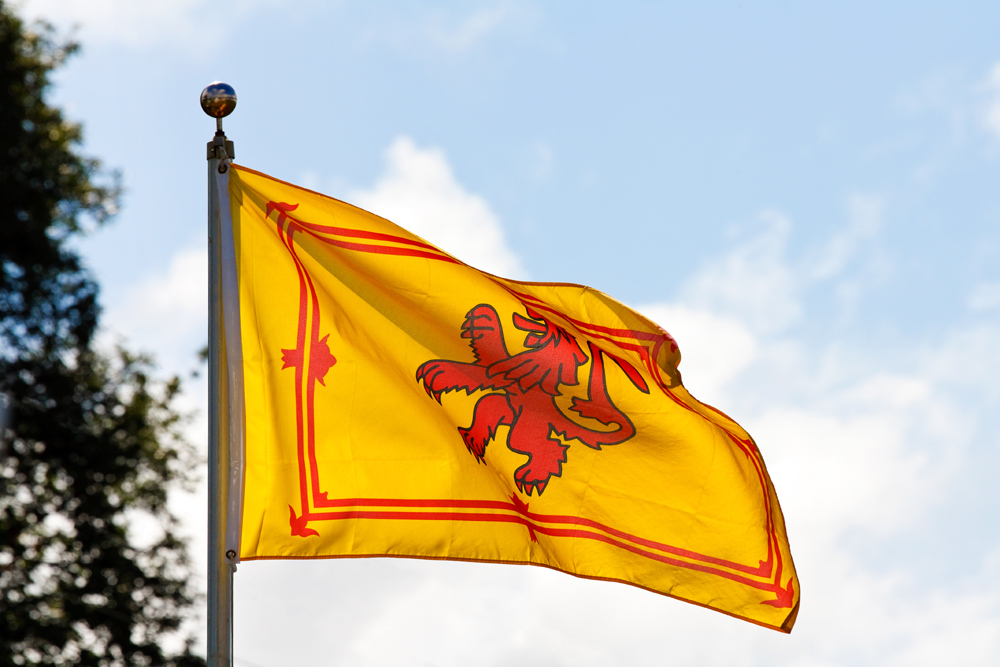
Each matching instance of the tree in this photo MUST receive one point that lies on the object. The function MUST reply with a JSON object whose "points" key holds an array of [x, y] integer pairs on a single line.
{"points": [[93, 439]]}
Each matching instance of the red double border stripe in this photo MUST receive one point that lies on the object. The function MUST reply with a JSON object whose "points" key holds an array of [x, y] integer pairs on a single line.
{"points": [[521, 515]]}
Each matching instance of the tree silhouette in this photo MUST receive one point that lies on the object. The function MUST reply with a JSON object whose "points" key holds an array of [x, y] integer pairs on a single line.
{"points": [[92, 440]]}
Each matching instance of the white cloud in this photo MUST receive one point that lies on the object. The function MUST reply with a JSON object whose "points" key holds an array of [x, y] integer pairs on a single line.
{"points": [[865, 457], [121, 21], [859, 443], [543, 160], [753, 281], [991, 116], [469, 30], [146, 23], [985, 297], [167, 312], [419, 191], [202, 26], [758, 283], [860, 453], [443, 31], [866, 219]]}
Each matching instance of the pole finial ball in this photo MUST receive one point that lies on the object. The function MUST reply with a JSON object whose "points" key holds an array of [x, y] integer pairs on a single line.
{"points": [[218, 99]]}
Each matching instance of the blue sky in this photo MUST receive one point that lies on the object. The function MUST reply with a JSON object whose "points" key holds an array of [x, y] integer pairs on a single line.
{"points": [[804, 194]]}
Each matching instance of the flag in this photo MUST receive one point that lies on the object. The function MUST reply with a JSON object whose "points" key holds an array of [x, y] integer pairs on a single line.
{"points": [[398, 402]]}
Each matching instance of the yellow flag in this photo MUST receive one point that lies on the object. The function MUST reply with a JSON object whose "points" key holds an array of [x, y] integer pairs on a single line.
{"points": [[401, 403]]}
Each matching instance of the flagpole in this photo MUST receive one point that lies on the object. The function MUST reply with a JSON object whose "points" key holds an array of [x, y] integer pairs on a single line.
{"points": [[217, 100]]}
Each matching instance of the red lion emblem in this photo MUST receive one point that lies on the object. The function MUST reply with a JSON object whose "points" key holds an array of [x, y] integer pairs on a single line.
{"points": [[527, 384]]}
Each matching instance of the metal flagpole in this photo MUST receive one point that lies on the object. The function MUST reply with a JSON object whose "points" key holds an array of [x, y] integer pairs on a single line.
{"points": [[218, 100]]}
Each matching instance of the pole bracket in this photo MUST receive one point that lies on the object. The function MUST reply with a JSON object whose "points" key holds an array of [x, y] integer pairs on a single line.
{"points": [[221, 148]]}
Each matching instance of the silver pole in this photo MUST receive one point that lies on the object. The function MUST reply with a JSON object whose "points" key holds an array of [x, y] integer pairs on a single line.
{"points": [[217, 100]]}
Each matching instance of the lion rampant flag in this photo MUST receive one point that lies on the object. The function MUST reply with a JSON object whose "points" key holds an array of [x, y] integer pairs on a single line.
{"points": [[398, 402]]}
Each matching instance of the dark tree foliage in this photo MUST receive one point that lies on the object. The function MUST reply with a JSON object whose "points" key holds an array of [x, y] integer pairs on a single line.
{"points": [[93, 441]]}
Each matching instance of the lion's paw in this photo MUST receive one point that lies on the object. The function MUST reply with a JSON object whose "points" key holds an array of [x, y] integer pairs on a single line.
{"points": [[476, 440], [535, 477]]}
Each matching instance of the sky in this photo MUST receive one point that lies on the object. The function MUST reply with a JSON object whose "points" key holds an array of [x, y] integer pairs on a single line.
{"points": [[804, 194]]}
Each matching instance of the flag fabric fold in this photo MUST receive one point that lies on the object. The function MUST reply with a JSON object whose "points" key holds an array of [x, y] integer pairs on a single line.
{"points": [[401, 403]]}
